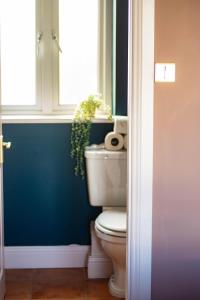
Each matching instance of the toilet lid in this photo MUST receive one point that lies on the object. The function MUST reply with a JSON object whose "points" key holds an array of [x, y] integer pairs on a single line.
{"points": [[112, 222]]}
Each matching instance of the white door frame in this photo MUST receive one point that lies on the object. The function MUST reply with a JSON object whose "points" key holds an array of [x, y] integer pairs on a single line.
{"points": [[2, 270], [140, 170]]}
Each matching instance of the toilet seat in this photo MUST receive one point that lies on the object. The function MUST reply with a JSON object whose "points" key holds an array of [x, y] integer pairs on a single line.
{"points": [[112, 222]]}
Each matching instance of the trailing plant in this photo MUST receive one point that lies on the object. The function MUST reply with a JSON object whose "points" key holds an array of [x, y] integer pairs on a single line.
{"points": [[81, 126]]}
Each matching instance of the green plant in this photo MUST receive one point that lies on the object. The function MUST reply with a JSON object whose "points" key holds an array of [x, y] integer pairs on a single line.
{"points": [[80, 132]]}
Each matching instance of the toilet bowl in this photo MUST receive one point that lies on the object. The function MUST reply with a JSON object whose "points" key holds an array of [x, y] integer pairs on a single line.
{"points": [[107, 181], [110, 227]]}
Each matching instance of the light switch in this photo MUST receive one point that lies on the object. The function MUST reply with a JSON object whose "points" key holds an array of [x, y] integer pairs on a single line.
{"points": [[165, 72]]}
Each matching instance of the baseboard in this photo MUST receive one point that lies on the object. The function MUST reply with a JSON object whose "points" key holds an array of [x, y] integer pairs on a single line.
{"points": [[73, 256]]}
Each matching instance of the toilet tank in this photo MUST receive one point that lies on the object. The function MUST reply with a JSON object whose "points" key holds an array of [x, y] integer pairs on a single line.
{"points": [[106, 176]]}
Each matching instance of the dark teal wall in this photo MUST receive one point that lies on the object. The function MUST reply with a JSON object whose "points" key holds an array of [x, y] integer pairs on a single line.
{"points": [[44, 203], [121, 57]]}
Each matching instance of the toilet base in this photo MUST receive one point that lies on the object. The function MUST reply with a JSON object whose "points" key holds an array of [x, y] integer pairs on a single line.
{"points": [[114, 290], [115, 248], [99, 264]]}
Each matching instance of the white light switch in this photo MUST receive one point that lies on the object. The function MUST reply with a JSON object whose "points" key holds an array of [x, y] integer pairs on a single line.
{"points": [[165, 72]]}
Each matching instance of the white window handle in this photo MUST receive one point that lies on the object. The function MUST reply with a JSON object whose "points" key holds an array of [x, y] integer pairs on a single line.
{"points": [[39, 38], [54, 38]]}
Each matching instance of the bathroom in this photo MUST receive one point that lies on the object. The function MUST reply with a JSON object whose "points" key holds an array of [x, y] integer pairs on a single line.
{"points": [[45, 205], [47, 213]]}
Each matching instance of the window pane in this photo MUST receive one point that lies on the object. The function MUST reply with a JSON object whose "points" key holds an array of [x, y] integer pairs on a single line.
{"points": [[78, 66], [18, 52]]}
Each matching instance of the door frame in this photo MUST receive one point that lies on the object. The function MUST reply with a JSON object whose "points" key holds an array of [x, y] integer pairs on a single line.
{"points": [[2, 270], [140, 154]]}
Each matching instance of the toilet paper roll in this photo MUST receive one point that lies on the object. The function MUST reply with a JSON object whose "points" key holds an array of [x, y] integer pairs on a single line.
{"points": [[120, 124], [125, 141], [114, 141]]}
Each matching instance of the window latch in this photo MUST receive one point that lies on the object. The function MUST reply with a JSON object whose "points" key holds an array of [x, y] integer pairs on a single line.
{"points": [[55, 39], [39, 38]]}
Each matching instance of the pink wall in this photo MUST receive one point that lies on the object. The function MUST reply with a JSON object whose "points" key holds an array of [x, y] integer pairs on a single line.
{"points": [[176, 208]]}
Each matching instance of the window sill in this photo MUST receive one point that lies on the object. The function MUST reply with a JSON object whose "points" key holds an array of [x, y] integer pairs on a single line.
{"points": [[45, 119]]}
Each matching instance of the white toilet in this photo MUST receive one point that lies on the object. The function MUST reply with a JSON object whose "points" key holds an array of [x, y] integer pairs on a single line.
{"points": [[107, 181]]}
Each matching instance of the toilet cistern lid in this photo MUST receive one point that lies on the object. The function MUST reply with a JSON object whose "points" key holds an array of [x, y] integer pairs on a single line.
{"points": [[114, 220]]}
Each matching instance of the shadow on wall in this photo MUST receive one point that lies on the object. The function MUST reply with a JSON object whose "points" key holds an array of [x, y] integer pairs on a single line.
{"points": [[176, 221], [122, 57]]}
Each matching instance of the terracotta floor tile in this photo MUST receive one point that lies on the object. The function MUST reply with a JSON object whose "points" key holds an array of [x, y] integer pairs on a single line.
{"points": [[85, 274], [13, 275], [29, 298], [54, 284], [18, 290], [57, 291], [59, 275], [58, 284], [98, 289], [102, 298]]}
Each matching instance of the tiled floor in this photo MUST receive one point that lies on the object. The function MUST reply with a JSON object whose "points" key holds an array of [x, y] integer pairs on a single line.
{"points": [[54, 284]]}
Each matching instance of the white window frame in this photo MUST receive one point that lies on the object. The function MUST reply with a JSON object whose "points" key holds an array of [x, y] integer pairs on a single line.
{"points": [[47, 72]]}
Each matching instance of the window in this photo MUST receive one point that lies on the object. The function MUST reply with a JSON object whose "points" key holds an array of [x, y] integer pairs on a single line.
{"points": [[18, 53], [54, 53], [83, 70]]}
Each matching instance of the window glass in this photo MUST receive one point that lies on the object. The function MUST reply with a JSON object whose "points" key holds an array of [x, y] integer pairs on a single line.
{"points": [[78, 62], [18, 68]]}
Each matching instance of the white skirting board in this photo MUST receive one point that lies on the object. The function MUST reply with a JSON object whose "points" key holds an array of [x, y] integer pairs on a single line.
{"points": [[30, 257], [72, 256]]}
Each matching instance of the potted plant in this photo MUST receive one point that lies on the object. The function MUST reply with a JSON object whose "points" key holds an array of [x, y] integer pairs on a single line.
{"points": [[80, 132]]}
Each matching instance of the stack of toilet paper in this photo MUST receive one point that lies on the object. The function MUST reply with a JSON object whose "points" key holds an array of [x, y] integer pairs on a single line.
{"points": [[117, 139]]}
